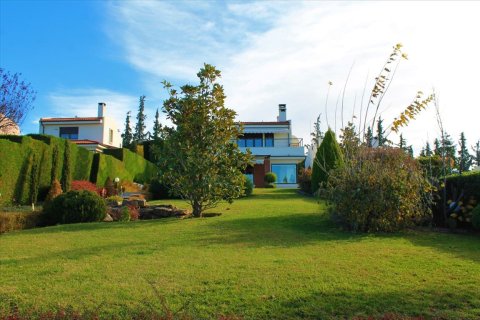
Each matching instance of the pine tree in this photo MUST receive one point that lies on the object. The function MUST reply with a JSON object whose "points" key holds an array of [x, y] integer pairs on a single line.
{"points": [[329, 156], [380, 133], [476, 153], [403, 143], [464, 158], [369, 137], [140, 134], [428, 150], [410, 151], [127, 136], [157, 127], [437, 149]]}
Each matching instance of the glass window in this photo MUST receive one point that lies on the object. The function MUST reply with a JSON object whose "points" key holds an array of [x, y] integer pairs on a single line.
{"points": [[110, 136], [251, 140], [286, 173], [69, 133], [269, 140]]}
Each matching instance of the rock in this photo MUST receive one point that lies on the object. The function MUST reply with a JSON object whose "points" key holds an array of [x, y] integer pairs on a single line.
{"points": [[108, 218], [140, 203], [162, 211]]}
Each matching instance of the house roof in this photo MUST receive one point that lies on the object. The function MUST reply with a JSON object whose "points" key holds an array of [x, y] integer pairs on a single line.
{"points": [[86, 141], [266, 123], [71, 119]]}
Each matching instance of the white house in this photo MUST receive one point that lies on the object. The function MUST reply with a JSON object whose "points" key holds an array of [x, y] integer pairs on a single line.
{"points": [[94, 133], [275, 149]]}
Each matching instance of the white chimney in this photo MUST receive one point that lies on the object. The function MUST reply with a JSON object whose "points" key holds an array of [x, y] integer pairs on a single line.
{"points": [[282, 112], [101, 109]]}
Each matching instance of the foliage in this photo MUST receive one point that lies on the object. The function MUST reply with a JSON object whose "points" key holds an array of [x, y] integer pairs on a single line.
{"points": [[84, 185], [19, 220], [383, 189], [198, 158], [55, 190], [134, 212], [445, 148], [270, 177], [159, 190], [476, 153], [381, 133], [129, 186], [328, 157], [432, 166], [75, 206], [466, 184], [248, 187], [124, 214], [16, 99], [114, 199], [140, 135], [305, 180], [66, 172], [350, 142], [476, 217], [157, 127], [127, 135], [109, 187], [464, 158], [411, 111], [369, 137], [317, 134], [54, 169], [34, 180]]}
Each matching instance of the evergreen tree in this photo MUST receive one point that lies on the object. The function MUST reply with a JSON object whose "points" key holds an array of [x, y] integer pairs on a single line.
{"points": [[476, 153], [437, 149], [380, 133], [54, 163], [428, 150], [464, 158], [423, 153], [34, 182], [403, 143], [369, 137], [329, 156], [66, 172], [157, 127], [449, 151], [140, 134], [317, 134], [410, 151], [127, 135]]}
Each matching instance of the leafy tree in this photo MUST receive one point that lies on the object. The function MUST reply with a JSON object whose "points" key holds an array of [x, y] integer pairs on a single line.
{"points": [[380, 133], [66, 171], [16, 98], [127, 135], [199, 160], [157, 127], [350, 142], [476, 153], [329, 156], [464, 158], [140, 134]]}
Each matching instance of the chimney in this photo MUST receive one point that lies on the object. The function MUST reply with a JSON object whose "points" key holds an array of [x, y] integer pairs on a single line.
{"points": [[101, 109], [282, 112]]}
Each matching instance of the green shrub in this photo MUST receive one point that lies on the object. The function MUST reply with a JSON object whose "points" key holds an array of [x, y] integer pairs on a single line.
{"points": [[476, 217], [10, 221], [124, 214], [66, 171], [75, 206], [248, 187], [305, 180], [328, 157], [467, 183], [270, 177], [158, 190], [381, 189]]}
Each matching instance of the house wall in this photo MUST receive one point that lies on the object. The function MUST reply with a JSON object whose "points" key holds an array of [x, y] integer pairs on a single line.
{"points": [[109, 123], [85, 131]]}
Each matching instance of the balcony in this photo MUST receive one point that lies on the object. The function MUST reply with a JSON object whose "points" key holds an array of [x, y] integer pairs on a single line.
{"points": [[292, 147]]}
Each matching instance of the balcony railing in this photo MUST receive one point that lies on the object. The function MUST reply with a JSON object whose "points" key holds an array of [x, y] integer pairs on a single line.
{"points": [[270, 143]]}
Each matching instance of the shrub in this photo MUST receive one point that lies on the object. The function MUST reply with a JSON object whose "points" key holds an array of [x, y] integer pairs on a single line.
{"points": [[124, 214], [114, 200], [84, 185], [55, 190], [159, 190], [134, 212], [248, 187], [66, 171], [381, 189], [10, 221], [75, 206], [270, 177], [476, 217], [109, 187], [129, 186], [305, 180], [328, 157]]}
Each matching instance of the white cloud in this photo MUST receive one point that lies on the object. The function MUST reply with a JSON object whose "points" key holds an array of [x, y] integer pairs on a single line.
{"points": [[279, 52]]}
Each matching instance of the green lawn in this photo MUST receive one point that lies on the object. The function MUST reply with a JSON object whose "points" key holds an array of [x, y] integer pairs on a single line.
{"points": [[275, 255]]}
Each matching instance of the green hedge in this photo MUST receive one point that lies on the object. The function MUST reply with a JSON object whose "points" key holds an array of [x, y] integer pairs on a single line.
{"points": [[468, 183]]}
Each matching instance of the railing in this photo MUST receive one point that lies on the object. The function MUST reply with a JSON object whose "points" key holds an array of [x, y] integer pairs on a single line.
{"points": [[270, 143]]}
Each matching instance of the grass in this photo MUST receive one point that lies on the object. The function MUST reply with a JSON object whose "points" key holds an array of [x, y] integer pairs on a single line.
{"points": [[275, 255]]}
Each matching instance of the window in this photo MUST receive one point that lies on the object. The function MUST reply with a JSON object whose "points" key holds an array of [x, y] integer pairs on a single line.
{"points": [[250, 140], [286, 173], [269, 140], [110, 136], [69, 133]]}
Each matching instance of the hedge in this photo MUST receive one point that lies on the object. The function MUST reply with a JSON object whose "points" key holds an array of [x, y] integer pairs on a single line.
{"points": [[468, 183], [15, 152]]}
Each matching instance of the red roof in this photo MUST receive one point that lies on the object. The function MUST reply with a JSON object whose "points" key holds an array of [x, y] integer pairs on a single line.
{"points": [[268, 123], [70, 119], [86, 141]]}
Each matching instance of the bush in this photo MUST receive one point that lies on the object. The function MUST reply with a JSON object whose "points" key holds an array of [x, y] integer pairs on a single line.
{"points": [[124, 214], [75, 206], [270, 177], [134, 212], [55, 191], [381, 189], [476, 217], [110, 187], [328, 157], [248, 187], [84, 185], [159, 190], [114, 200], [305, 180], [10, 221]]}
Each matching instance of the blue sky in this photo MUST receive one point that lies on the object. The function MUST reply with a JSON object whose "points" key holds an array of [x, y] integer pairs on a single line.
{"points": [[78, 53]]}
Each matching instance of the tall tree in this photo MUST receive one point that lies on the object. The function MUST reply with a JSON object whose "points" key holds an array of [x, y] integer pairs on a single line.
{"points": [[380, 133], [16, 98], [199, 160], [140, 134], [403, 143], [428, 150], [476, 153], [66, 171], [157, 127], [437, 148], [464, 157], [127, 135], [317, 134], [369, 137]]}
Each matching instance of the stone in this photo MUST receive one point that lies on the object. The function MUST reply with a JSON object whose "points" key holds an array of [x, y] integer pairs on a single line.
{"points": [[162, 211], [108, 218]]}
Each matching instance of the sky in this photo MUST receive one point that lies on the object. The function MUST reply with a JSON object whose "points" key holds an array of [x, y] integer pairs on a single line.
{"points": [[79, 53]]}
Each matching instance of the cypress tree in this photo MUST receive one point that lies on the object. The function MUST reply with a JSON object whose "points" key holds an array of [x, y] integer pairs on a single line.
{"points": [[437, 149], [140, 134], [428, 150], [34, 182], [329, 156], [127, 133], [66, 172], [464, 158], [54, 164], [380, 133], [157, 127], [369, 137]]}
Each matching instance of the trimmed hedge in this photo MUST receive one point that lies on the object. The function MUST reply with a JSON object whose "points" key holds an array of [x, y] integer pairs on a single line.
{"points": [[85, 165], [468, 183], [10, 221]]}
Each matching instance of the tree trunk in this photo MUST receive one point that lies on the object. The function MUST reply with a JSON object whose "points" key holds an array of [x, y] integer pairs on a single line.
{"points": [[197, 209]]}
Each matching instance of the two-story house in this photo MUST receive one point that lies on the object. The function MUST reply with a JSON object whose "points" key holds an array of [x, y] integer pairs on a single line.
{"points": [[275, 149], [93, 133]]}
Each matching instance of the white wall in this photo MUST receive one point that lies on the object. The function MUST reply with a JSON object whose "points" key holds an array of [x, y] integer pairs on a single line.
{"points": [[109, 123]]}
